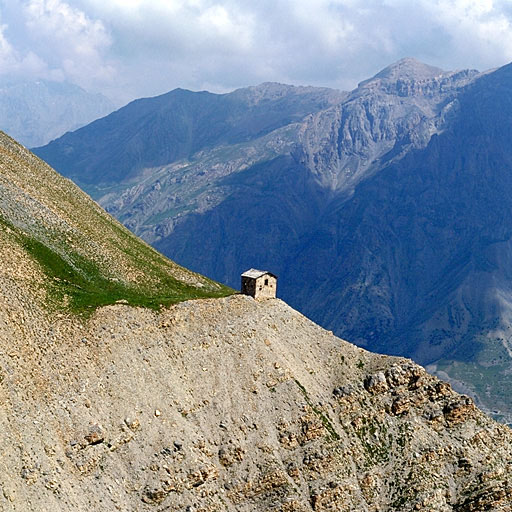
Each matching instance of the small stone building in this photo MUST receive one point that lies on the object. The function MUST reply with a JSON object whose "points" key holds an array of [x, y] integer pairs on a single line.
{"points": [[259, 284]]}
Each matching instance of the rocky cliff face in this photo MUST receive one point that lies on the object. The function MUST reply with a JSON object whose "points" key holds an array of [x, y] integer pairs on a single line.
{"points": [[385, 213], [384, 118]]}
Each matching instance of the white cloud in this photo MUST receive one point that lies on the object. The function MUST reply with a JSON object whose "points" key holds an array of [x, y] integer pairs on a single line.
{"points": [[13, 62], [142, 47], [7, 54], [480, 30], [69, 39]]}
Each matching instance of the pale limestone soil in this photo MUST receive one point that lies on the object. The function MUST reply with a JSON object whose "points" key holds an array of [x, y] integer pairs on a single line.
{"points": [[228, 404]]}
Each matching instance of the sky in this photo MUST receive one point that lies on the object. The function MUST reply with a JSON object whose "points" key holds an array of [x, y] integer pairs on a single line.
{"points": [[137, 48]]}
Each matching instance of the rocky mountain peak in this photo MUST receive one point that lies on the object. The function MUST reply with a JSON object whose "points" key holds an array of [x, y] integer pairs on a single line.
{"points": [[410, 77], [408, 68], [274, 91]]}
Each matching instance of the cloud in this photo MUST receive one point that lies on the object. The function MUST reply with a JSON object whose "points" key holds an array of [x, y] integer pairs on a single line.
{"points": [[14, 62], [51, 39], [131, 48], [230, 43], [477, 32], [69, 40], [7, 54], [227, 43]]}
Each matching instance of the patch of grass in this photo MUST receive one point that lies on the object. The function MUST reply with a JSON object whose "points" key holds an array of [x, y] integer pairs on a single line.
{"points": [[404, 436], [323, 418], [405, 493], [375, 441], [77, 284]]}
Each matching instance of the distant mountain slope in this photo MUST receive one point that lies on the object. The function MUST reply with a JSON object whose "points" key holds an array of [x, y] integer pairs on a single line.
{"points": [[157, 131], [34, 113], [386, 216], [88, 258]]}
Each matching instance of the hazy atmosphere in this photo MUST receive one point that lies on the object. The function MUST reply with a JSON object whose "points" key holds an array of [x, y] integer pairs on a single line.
{"points": [[133, 48]]}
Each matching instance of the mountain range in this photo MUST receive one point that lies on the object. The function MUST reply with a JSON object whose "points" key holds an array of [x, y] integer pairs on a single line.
{"points": [[385, 211], [128, 382], [36, 112]]}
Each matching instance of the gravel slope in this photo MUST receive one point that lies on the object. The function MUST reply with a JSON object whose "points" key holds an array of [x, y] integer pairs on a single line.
{"points": [[228, 404]]}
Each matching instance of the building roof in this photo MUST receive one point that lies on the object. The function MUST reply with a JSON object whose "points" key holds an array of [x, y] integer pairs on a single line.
{"points": [[254, 273]]}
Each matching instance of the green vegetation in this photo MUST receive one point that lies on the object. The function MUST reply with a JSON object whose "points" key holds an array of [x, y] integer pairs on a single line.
{"points": [[78, 284], [403, 438], [323, 418], [375, 440], [487, 376], [405, 494]]}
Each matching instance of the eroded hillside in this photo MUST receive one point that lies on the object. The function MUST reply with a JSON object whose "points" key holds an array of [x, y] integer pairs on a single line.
{"points": [[206, 405], [229, 404]]}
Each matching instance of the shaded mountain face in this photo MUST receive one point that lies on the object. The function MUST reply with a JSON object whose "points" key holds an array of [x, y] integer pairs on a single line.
{"points": [[34, 113], [223, 403], [175, 126], [385, 215]]}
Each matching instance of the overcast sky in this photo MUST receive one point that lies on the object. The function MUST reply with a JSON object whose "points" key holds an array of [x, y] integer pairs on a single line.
{"points": [[134, 48]]}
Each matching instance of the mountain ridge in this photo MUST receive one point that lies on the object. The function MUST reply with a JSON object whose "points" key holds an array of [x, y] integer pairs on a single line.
{"points": [[223, 403], [408, 68], [231, 117], [326, 202]]}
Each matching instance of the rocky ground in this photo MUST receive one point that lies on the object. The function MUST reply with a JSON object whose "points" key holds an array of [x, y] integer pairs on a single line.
{"points": [[219, 404], [228, 404]]}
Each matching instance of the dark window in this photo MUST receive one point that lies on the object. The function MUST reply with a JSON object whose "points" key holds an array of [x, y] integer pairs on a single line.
{"points": [[266, 282]]}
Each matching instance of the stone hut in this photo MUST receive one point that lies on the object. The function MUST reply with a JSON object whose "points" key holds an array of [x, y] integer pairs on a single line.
{"points": [[259, 284]]}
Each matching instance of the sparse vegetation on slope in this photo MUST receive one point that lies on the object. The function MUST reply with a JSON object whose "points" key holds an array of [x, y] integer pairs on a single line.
{"points": [[88, 258], [77, 284]]}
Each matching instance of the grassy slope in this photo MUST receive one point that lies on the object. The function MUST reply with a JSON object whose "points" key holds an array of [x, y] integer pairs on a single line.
{"points": [[89, 259]]}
